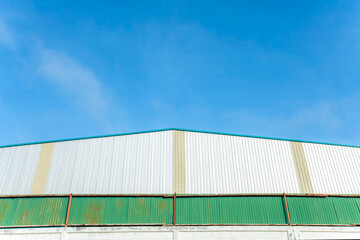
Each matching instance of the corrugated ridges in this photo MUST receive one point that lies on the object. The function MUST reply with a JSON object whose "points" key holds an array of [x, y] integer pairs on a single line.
{"points": [[230, 210], [17, 169], [33, 211], [132, 164], [226, 164], [121, 210], [144, 163], [324, 211], [333, 169], [190, 210]]}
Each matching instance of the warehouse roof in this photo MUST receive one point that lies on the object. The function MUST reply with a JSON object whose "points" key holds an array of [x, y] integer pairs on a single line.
{"points": [[181, 161]]}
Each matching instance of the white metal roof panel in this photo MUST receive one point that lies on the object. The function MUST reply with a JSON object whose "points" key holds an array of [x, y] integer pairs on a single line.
{"points": [[333, 169], [17, 168], [139, 163], [219, 164], [214, 163]]}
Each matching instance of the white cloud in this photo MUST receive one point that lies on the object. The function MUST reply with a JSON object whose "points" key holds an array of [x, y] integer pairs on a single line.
{"points": [[334, 121], [6, 37], [73, 80]]}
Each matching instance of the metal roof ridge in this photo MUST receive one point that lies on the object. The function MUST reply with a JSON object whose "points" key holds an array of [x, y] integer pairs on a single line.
{"points": [[178, 129]]}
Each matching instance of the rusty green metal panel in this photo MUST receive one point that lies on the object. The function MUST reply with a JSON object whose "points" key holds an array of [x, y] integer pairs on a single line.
{"points": [[121, 210], [46, 211], [326, 211], [33, 211], [230, 210]]}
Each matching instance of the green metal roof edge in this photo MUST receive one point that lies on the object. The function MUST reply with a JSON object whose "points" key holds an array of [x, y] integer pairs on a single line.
{"points": [[269, 138], [83, 138], [179, 129]]}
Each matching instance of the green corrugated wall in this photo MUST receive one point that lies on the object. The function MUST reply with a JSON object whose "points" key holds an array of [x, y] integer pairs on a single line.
{"points": [[33, 211], [121, 210], [96, 210], [230, 210], [327, 210]]}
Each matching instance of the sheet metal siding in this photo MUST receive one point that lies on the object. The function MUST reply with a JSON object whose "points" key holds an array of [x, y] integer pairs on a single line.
{"points": [[230, 210], [33, 211], [333, 169], [121, 210], [140, 163], [271, 210], [229, 164], [330, 210], [17, 168]]}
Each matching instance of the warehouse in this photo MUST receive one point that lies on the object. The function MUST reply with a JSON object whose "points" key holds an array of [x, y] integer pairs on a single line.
{"points": [[179, 184]]}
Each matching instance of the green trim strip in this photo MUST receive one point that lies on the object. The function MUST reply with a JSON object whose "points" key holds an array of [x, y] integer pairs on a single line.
{"points": [[178, 129]]}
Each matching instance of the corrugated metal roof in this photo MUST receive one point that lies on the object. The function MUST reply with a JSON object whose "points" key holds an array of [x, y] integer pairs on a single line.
{"points": [[333, 169], [228, 164], [17, 168], [214, 163], [139, 163]]}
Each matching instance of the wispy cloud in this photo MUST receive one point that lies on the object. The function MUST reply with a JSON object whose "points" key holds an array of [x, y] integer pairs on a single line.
{"points": [[73, 80], [6, 38], [331, 120]]}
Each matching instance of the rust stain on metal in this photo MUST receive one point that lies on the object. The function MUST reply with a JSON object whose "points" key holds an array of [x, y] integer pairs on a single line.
{"points": [[4, 208], [141, 202], [209, 207], [163, 205], [25, 217], [119, 203], [316, 195], [93, 213]]}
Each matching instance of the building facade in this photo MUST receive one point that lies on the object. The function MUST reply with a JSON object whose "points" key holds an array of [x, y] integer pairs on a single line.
{"points": [[179, 184]]}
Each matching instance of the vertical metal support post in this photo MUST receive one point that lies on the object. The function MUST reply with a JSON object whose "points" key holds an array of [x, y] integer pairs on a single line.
{"points": [[174, 220], [287, 209], [68, 210]]}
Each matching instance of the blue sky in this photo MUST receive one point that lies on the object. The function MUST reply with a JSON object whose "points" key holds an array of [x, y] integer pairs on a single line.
{"points": [[288, 69]]}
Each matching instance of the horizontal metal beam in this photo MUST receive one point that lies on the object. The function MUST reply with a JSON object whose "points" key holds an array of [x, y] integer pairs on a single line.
{"points": [[180, 196]]}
